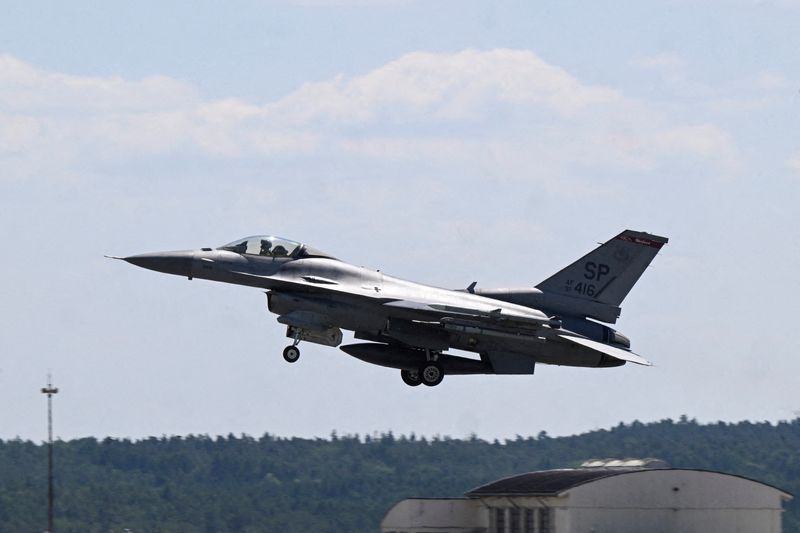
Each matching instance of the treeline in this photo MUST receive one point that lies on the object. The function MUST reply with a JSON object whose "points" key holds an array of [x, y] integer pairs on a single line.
{"points": [[340, 484]]}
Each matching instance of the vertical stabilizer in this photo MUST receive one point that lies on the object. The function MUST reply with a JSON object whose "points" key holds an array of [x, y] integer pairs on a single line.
{"points": [[607, 273]]}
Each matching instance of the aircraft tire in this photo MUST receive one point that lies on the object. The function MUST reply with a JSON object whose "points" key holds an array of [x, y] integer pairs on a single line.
{"points": [[431, 373], [291, 354], [409, 379]]}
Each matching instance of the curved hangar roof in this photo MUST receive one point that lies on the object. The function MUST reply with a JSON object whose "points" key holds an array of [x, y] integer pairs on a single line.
{"points": [[545, 482], [554, 482]]}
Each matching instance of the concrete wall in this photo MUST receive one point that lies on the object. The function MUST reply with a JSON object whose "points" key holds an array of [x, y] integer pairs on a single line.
{"points": [[673, 500], [439, 516]]}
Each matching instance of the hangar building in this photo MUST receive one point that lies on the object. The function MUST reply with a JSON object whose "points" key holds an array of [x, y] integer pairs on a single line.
{"points": [[627, 496]]}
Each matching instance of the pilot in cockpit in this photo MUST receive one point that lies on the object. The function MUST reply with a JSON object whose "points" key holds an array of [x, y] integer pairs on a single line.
{"points": [[265, 247]]}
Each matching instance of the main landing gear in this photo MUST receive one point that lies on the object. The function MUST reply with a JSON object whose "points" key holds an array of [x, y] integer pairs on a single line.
{"points": [[429, 373], [410, 377]]}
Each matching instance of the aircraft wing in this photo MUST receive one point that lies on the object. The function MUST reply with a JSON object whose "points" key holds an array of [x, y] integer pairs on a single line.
{"points": [[493, 322], [617, 353], [409, 309], [302, 284]]}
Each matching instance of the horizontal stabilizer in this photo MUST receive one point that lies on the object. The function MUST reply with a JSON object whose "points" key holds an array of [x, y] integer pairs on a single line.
{"points": [[617, 353]]}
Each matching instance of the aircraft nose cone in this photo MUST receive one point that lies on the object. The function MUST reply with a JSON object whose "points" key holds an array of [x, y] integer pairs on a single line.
{"points": [[178, 263]]}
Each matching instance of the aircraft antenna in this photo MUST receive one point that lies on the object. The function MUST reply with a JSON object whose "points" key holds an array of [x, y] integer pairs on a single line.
{"points": [[49, 390]]}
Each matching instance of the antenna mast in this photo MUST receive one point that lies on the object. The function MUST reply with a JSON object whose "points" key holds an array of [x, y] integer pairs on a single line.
{"points": [[49, 390]]}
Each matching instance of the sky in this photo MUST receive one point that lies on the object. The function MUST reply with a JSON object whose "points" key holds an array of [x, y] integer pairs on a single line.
{"points": [[439, 141]]}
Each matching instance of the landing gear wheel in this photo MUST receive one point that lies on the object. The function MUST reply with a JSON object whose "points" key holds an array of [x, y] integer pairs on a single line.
{"points": [[291, 354], [410, 377], [431, 373]]}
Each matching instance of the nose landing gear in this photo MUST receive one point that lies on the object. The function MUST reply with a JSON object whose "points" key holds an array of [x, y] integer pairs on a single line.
{"points": [[291, 354], [327, 336]]}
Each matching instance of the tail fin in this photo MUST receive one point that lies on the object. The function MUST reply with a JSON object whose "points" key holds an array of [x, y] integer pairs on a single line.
{"points": [[607, 273]]}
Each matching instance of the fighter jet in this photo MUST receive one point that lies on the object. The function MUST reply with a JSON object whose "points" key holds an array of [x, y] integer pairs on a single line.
{"points": [[412, 327]]}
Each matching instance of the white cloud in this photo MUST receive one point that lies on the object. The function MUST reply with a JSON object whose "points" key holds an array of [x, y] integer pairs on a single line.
{"points": [[793, 164], [669, 65], [645, 148], [353, 3], [772, 81], [783, 4], [446, 86], [505, 108], [25, 88], [751, 93], [758, 93], [17, 132], [393, 148]]}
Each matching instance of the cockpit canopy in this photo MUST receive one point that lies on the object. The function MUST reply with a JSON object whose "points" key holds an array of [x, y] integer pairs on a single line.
{"points": [[271, 246]]}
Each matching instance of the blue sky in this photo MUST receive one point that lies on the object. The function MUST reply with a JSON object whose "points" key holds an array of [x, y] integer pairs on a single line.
{"points": [[444, 142]]}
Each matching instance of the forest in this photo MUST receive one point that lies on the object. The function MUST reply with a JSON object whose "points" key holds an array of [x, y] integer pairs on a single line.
{"points": [[231, 483]]}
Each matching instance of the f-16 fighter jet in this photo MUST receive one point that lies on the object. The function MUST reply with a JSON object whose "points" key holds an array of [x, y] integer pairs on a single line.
{"points": [[411, 327]]}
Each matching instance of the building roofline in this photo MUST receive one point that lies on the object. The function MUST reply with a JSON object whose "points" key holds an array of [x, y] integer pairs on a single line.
{"points": [[454, 498], [603, 473]]}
